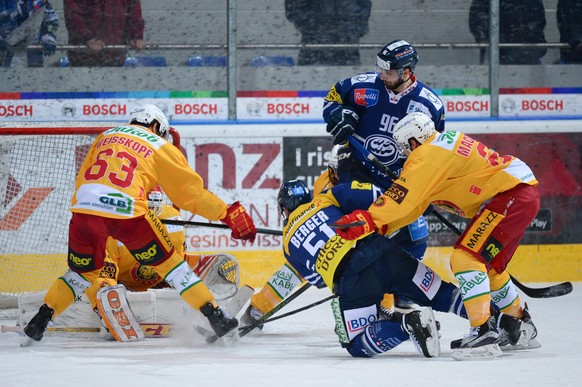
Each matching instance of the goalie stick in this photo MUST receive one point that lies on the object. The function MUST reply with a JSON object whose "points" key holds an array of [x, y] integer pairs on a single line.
{"points": [[215, 225], [150, 329], [557, 290]]}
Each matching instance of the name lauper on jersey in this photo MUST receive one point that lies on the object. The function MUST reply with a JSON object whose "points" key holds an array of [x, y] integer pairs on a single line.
{"points": [[308, 228], [380, 110]]}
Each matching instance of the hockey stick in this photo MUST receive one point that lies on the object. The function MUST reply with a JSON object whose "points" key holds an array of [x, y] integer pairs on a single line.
{"points": [[300, 309], [216, 225], [557, 290], [245, 330], [153, 330]]}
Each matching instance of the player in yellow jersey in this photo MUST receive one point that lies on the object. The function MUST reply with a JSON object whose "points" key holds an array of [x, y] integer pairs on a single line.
{"points": [[500, 196], [122, 165], [220, 272]]}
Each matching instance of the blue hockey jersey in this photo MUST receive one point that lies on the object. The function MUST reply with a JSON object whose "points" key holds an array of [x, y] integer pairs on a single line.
{"points": [[308, 230], [380, 110]]}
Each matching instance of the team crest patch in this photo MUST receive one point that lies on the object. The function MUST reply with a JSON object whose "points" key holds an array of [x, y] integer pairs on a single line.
{"points": [[380, 201]]}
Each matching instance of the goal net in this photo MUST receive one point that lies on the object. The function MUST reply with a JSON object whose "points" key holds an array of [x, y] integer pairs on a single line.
{"points": [[38, 167]]}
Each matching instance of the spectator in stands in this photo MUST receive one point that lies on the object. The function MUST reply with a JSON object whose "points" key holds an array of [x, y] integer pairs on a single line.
{"points": [[101, 23], [569, 16], [24, 23], [329, 22], [520, 21]]}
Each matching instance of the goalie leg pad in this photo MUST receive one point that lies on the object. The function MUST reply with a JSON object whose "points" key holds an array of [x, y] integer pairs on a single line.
{"points": [[220, 273], [117, 315]]}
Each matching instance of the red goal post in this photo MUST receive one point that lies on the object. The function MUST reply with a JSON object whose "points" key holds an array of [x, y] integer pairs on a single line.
{"points": [[38, 166]]}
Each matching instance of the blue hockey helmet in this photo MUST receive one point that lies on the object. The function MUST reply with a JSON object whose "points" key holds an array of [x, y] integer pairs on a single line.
{"points": [[397, 55], [291, 195]]}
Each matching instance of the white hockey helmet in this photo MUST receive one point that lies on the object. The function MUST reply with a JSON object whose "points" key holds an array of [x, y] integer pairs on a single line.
{"points": [[147, 114], [415, 125], [156, 200]]}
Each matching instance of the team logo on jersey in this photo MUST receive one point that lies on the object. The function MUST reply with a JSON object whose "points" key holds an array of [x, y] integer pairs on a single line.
{"points": [[384, 148], [366, 97]]}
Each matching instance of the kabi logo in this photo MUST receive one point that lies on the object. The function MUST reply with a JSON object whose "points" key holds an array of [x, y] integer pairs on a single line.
{"points": [[122, 204]]}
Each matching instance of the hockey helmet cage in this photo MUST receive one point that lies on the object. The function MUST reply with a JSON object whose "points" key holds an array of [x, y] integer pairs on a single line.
{"points": [[156, 201], [415, 125], [148, 113], [397, 55], [291, 195]]}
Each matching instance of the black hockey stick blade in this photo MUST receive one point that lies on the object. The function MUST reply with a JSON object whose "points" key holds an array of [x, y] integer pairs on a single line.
{"points": [[347, 225], [556, 290], [216, 225]]}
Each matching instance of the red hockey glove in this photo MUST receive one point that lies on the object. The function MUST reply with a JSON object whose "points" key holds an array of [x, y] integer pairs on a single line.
{"points": [[239, 221], [362, 221]]}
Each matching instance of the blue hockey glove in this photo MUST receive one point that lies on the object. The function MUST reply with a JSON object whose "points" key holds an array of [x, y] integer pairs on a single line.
{"points": [[343, 122]]}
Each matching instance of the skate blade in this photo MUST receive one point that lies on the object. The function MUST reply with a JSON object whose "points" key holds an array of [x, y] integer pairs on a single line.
{"points": [[485, 352], [26, 341], [428, 321], [532, 344]]}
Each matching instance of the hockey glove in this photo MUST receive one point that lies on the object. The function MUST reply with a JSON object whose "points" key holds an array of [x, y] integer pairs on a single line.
{"points": [[239, 221], [356, 231], [343, 122], [49, 45]]}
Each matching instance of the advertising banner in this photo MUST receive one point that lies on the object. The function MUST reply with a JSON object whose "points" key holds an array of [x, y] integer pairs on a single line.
{"points": [[208, 106]]}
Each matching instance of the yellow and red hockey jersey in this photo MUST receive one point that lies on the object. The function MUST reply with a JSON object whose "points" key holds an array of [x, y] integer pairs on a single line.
{"points": [[138, 277], [453, 171], [126, 162]]}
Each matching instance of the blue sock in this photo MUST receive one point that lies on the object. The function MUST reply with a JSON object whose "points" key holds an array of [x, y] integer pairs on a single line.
{"points": [[377, 338]]}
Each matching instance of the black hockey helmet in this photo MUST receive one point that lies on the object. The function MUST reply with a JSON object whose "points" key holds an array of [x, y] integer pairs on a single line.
{"points": [[291, 195], [397, 55]]}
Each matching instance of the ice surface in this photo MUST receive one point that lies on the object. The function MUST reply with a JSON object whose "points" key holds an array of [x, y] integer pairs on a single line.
{"points": [[300, 350]]}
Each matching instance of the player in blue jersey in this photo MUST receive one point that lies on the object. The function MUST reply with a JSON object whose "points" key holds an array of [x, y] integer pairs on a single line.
{"points": [[368, 106], [361, 274]]}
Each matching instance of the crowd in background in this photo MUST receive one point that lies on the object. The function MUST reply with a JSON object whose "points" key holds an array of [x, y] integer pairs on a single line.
{"points": [[109, 28]]}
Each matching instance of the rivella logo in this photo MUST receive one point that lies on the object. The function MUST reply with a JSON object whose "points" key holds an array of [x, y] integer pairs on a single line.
{"points": [[366, 97]]}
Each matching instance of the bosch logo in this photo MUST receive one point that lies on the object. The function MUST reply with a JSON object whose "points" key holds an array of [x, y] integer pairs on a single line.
{"points": [[69, 110], [15, 111], [163, 107], [508, 105], [254, 109]]}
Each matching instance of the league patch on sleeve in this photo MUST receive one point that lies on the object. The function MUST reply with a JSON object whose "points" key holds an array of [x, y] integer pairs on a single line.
{"points": [[415, 106], [333, 96], [432, 97]]}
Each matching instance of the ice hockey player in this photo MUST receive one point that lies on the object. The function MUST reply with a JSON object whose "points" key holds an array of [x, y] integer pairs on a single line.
{"points": [[122, 165], [500, 196], [367, 107], [360, 275], [219, 272]]}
